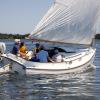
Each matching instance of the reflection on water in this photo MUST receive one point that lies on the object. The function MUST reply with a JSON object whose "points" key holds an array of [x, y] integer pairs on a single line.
{"points": [[85, 86], [50, 87]]}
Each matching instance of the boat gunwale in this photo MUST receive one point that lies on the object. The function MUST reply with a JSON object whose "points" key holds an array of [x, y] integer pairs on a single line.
{"points": [[52, 69], [51, 63]]}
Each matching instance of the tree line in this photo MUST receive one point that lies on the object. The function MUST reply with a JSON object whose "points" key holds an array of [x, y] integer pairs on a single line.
{"points": [[13, 36], [19, 36]]}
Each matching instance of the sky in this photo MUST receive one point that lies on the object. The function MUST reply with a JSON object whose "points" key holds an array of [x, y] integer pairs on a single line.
{"points": [[21, 16]]}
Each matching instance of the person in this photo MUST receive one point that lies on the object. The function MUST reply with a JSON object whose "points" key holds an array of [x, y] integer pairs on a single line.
{"points": [[22, 50], [57, 57], [36, 49], [29, 55], [15, 48], [42, 55]]}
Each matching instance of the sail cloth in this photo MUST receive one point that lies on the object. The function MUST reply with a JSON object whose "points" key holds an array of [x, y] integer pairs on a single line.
{"points": [[68, 21]]}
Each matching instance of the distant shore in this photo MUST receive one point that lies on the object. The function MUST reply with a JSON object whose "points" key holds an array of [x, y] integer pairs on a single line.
{"points": [[12, 36], [19, 36]]}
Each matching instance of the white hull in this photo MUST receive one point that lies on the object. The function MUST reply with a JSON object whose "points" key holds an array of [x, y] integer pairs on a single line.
{"points": [[76, 63], [4, 69]]}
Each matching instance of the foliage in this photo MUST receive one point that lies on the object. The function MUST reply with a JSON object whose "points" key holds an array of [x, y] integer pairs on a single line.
{"points": [[19, 36], [12, 36]]}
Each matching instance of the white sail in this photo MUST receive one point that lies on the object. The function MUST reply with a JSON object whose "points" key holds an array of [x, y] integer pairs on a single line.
{"points": [[69, 21]]}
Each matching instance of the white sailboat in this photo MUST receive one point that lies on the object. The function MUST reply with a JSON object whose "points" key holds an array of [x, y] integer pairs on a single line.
{"points": [[67, 21]]}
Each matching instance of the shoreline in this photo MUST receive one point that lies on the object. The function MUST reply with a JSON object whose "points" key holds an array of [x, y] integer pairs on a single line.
{"points": [[19, 36]]}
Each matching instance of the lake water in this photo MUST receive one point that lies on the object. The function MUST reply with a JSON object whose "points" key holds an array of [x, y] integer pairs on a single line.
{"points": [[85, 86]]}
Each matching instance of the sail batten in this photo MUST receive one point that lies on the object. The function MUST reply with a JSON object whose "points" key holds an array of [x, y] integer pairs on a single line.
{"points": [[69, 21]]}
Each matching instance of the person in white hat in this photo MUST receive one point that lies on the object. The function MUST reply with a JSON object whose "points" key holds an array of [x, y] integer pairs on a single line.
{"points": [[15, 48], [57, 57], [17, 40]]}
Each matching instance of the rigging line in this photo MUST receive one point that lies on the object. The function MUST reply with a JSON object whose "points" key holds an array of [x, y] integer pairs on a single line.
{"points": [[57, 25], [61, 21], [65, 18], [49, 13], [41, 28], [44, 23], [64, 3], [51, 17], [49, 23], [62, 13]]}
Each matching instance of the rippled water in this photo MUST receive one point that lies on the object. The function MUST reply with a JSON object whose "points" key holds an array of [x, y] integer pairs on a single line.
{"points": [[85, 86]]}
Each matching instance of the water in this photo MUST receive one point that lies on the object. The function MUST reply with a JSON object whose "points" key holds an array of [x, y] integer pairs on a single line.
{"points": [[85, 86]]}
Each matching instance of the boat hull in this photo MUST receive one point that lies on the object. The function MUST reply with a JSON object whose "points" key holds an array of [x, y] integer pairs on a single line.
{"points": [[73, 64]]}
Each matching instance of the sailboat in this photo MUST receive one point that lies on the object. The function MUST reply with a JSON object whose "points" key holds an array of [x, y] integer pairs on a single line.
{"points": [[66, 22]]}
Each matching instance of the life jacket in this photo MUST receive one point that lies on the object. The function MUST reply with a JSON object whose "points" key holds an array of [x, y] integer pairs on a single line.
{"points": [[23, 49]]}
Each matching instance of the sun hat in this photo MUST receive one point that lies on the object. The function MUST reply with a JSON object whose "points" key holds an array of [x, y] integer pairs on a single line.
{"points": [[17, 40]]}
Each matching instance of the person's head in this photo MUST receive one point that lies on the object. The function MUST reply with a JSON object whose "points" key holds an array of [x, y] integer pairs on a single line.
{"points": [[56, 51], [37, 45], [41, 47], [17, 41], [21, 44]]}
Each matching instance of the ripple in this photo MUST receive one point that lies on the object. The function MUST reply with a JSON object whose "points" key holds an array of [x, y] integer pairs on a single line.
{"points": [[84, 86]]}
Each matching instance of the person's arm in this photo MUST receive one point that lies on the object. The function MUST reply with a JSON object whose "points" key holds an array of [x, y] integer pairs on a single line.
{"points": [[50, 59]]}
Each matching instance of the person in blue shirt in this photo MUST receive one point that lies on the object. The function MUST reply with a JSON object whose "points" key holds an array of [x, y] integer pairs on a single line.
{"points": [[15, 48], [43, 55]]}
